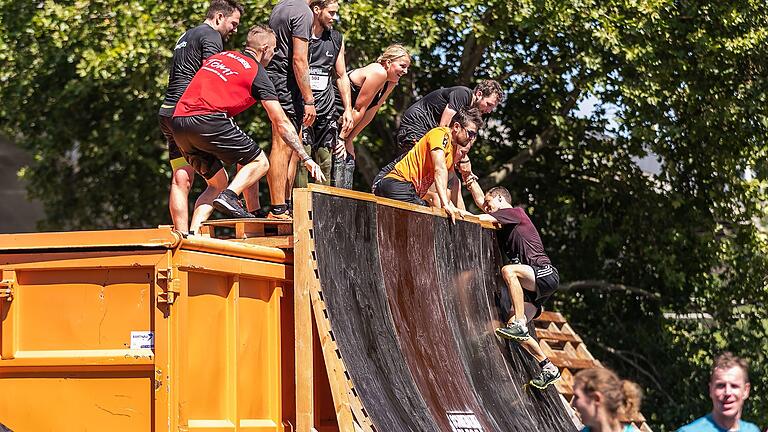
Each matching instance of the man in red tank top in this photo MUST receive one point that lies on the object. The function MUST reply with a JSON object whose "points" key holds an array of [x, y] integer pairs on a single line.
{"points": [[227, 84]]}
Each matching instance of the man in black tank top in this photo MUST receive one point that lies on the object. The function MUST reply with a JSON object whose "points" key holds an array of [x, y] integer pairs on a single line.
{"points": [[437, 109], [327, 72], [194, 46]]}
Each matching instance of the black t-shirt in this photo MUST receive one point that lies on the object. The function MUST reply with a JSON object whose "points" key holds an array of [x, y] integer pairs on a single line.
{"points": [[424, 115], [519, 239], [262, 88], [289, 19], [194, 46], [323, 53]]}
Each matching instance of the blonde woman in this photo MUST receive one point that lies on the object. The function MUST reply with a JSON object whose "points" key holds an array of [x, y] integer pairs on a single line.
{"points": [[602, 399], [371, 86]]}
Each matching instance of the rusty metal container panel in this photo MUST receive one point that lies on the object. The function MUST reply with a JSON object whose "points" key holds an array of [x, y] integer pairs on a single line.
{"points": [[140, 331]]}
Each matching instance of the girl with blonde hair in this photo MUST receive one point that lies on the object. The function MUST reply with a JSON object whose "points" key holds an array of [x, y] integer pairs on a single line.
{"points": [[603, 400], [371, 86]]}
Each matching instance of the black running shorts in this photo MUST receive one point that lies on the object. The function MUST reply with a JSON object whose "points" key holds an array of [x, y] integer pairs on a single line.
{"points": [[290, 98], [323, 133], [398, 190], [210, 139], [547, 281], [167, 129]]}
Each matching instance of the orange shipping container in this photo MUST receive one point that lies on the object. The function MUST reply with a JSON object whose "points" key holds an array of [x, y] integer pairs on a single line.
{"points": [[142, 330]]}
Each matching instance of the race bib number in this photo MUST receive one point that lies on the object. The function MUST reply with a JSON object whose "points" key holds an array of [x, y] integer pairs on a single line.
{"points": [[318, 82]]}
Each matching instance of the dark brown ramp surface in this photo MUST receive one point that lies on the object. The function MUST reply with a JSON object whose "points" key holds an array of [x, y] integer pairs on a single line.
{"points": [[409, 259], [471, 291], [353, 288], [412, 301]]}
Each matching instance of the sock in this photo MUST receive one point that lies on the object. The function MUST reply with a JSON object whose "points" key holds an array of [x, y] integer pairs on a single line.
{"points": [[279, 208], [229, 193], [521, 322], [546, 364]]}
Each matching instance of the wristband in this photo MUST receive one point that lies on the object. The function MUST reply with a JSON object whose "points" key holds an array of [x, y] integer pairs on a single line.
{"points": [[309, 103], [306, 159]]}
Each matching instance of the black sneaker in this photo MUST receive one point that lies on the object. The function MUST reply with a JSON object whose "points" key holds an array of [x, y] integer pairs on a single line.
{"points": [[230, 206], [545, 378]]}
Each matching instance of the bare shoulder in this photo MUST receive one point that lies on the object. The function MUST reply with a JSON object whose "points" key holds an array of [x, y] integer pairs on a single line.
{"points": [[375, 71]]}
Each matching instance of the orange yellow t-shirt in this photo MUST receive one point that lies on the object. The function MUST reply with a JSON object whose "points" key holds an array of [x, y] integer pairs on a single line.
{"points": [[417, 166]]}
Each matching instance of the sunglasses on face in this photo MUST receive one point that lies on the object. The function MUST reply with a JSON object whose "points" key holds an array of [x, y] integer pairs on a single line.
{"points": [[471, 135]]}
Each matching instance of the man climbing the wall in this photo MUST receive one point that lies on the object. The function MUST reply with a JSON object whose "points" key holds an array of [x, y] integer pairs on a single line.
{"points": [[530, 276]]}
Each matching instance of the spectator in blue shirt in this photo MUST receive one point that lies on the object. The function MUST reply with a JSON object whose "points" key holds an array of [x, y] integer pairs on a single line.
{"points": [[728, 389]]}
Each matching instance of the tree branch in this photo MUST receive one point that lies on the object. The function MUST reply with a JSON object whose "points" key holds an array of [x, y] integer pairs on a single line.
{"points": [[538, 143], [620, 354], [471, 56], [602, 285]]}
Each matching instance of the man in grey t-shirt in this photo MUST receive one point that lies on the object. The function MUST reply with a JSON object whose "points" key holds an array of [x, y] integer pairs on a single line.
{"points": [[291, 20]]}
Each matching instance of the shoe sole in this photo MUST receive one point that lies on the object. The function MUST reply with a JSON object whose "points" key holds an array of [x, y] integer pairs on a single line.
{"points": [[225, 208], [546, 385], [279, 217], [503, 335]]}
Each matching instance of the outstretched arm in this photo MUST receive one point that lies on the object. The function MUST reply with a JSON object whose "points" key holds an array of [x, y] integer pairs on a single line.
{"points": [[441, 183]]}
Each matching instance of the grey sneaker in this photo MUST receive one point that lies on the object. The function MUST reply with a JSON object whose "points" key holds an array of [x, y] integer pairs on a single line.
{"points": [[514, 331], [545, 378], [230, 207]]}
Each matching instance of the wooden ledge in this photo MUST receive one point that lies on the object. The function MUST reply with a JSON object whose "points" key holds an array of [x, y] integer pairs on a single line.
{"points": [[347, 193]]}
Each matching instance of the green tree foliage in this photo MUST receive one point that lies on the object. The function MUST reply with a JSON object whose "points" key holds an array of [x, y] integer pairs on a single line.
{"points": [[660, 270]]}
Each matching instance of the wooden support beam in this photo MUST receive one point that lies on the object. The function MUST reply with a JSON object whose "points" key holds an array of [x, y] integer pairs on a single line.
{"points": [[302, 309]]}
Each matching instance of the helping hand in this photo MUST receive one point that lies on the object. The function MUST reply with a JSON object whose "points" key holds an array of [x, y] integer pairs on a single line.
{"points": [[314, 170], [452, 211]]}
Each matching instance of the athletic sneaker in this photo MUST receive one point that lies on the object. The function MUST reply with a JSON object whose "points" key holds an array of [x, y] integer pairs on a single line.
{"points": [[230, 206], [515, 331], [545, 378], [280, 216]]}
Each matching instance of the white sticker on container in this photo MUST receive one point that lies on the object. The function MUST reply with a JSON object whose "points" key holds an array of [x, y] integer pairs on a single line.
{"points": [[142, 340], [464, 422]]}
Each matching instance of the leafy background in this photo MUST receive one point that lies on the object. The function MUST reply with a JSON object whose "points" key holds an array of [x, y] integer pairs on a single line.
{"points": [[661, 269]]}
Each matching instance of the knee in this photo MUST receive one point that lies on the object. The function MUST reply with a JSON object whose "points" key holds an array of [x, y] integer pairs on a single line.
{"points": [[182, 177], [508, 271], [262, 163]]}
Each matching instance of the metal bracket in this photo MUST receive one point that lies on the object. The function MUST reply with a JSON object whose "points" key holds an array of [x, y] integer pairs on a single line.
{"points": [[7, 287], [171, 291]]}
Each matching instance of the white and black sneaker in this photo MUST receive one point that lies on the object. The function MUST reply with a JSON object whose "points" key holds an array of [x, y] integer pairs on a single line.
{"points": [[229, 205]]}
